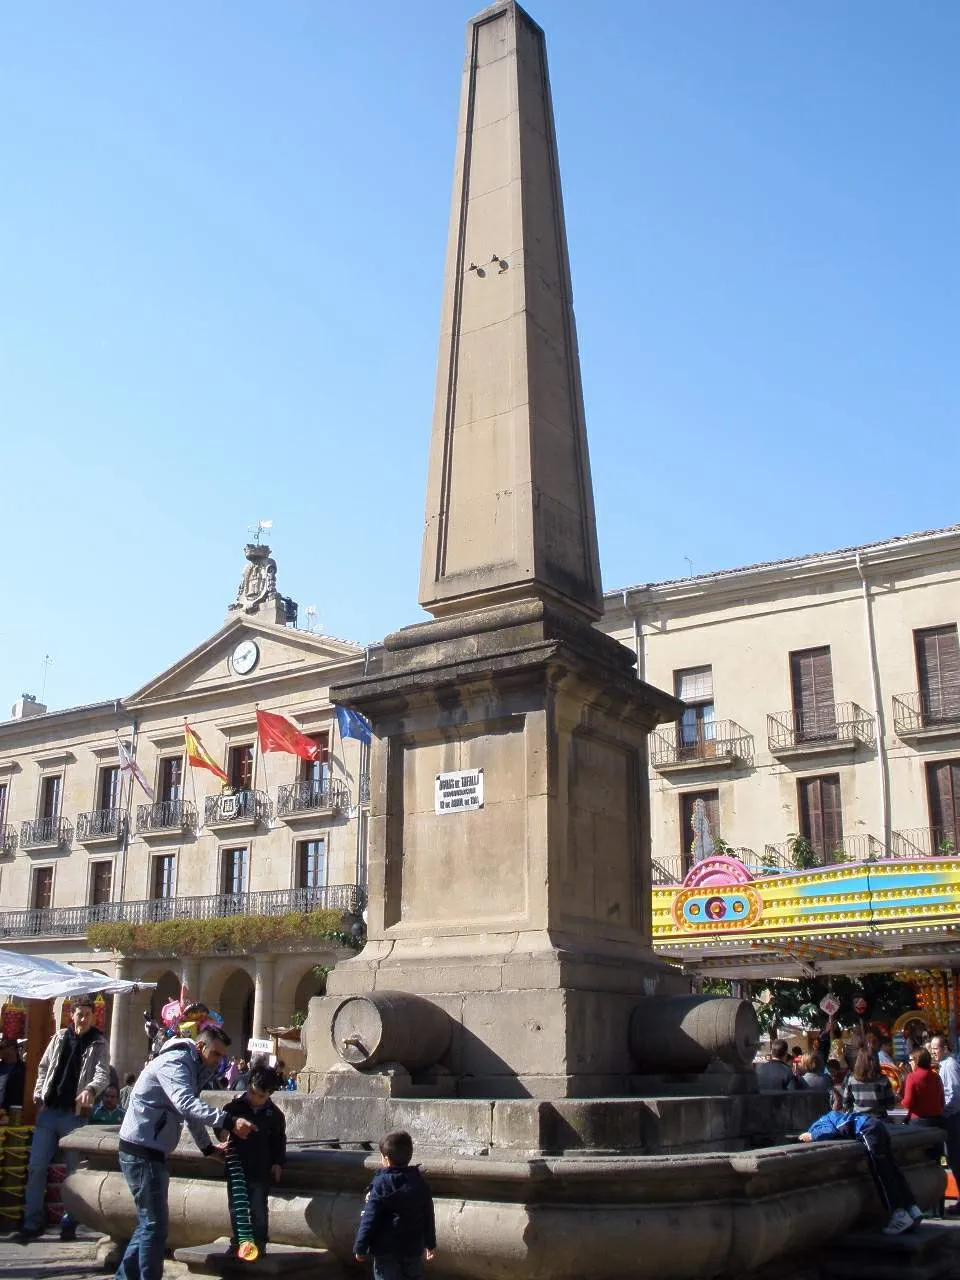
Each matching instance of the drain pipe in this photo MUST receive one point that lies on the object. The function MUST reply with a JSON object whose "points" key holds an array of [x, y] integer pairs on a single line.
{"points": [[882, 767], [637, 647]]}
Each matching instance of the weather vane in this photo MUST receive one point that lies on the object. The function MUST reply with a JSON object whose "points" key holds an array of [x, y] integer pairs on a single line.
{"points": [[256, 529]]}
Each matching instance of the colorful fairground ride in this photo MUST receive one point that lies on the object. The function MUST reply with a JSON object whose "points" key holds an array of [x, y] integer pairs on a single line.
{"points": [[729, 916]]}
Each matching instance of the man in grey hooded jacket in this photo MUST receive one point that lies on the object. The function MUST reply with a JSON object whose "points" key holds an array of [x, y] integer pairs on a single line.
{"points": [[166, 1095]]}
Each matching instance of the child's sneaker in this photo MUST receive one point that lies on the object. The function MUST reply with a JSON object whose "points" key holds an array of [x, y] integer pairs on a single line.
{"points": [[899, 1222], [916, 1213]]}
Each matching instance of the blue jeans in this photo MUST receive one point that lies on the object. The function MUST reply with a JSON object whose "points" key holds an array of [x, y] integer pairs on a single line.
{"points": [[387, 1266], [52, 1125], [148, 1181]]}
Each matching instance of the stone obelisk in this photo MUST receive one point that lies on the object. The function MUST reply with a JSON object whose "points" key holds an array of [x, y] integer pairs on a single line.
{"points": [[524, 916]]}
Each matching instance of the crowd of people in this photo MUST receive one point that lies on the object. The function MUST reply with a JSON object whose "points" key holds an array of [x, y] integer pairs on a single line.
{"points": [[75, 1087], [861, 1088]]}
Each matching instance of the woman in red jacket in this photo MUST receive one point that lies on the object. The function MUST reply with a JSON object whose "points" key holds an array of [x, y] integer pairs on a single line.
{"points": [[923, 1092]]}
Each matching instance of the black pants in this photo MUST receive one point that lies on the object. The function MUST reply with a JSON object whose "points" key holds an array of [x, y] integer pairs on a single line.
{"points": [[893, 1187], [259, 1213]]}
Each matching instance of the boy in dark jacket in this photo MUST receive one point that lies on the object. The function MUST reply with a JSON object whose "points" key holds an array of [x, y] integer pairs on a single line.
{"points": [[263, 1155], [396, 1226]]}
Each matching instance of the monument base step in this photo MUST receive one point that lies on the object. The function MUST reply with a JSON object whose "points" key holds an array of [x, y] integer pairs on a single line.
{"points": [[293, 1263], [926, 1253]]}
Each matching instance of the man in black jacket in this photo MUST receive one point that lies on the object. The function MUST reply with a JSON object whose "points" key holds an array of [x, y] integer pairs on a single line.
{"points": [[397, 1224]]}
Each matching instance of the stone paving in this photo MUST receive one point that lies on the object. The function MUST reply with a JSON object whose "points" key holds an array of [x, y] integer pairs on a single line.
{"points": [[49, 1257]]}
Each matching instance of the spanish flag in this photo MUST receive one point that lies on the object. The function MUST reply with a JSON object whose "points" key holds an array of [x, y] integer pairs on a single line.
{"points": [[198, 756]]}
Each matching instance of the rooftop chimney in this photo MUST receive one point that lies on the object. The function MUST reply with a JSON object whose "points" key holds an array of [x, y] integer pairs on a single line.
{"points": [[27, 706]]}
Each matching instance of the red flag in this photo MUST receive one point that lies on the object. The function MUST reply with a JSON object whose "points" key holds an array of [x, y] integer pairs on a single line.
{"points": [[278, 734]]}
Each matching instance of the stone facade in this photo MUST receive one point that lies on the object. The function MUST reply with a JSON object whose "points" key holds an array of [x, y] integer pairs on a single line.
{"points": [[871, 612], [86, 844]]}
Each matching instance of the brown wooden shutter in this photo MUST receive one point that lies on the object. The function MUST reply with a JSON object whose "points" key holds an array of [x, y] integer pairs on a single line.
{"points": [[943, 794], [100, 881], [811, 677], [42, 887], [821, 819], [938, 671]]}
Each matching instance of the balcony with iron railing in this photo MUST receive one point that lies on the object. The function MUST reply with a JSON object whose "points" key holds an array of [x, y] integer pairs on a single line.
{"points": [[73, 922], [100, 825], [933, 712], [8, 838], [792, 855], [237, 809], [165, 817], [667, 869], [718, 743], [46, 833], [305, 799], [925, 842], [840, 726]]}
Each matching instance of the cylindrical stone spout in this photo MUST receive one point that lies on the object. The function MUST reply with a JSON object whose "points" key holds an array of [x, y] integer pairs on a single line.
{"points": [[687, 1033], [390, 1026]]}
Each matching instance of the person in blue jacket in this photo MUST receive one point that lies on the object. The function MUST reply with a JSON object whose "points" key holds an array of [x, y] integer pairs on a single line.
{"points": [[397, 1224], [890, 1182]]}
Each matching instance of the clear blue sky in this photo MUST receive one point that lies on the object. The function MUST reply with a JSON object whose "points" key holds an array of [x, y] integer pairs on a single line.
{"points": [[222, 230]]}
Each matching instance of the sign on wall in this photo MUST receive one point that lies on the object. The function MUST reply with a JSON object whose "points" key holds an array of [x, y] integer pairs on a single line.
{"points": [[258, 1045], [457, 792]]}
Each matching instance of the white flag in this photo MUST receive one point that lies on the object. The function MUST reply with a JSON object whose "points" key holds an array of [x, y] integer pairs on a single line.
{"points": [[129, 765]]}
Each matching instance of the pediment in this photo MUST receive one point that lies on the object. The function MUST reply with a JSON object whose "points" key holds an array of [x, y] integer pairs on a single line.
{"points": [[283, 655]]}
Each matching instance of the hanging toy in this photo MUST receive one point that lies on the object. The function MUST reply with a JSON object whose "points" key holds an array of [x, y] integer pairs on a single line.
{"points": [[240, 1220], [100, 1013], [170, 1013]]}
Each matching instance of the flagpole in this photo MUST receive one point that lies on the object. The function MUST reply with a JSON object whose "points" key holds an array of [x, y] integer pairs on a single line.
{"points": [[188, 765]]}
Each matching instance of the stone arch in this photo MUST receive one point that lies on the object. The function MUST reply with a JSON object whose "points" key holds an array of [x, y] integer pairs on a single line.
{"points": [[167, 988], [235, 1006], [296, 982]]}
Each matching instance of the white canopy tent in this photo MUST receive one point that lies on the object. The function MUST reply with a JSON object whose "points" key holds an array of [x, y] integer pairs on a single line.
{"points": [[33, 978]]}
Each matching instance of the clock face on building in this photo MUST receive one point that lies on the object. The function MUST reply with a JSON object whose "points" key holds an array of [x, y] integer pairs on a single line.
{"points": [[245, 657]]}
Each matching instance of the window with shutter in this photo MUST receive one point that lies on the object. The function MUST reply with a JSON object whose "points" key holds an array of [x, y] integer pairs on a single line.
{"points": [[697, 836], [821, 819], [101, 878], [811, 679], [42, 896], [697, 726], [171, 780], [318, 770], [240, 767], [943, 798], [938, 673], [163, 874], [109, 789], [50, 796], [234, 878]]}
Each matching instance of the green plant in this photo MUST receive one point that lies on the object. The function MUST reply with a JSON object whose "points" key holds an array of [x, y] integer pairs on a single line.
{"points": [[232, 933], [802, 852], [720, 846], [946, 846]]}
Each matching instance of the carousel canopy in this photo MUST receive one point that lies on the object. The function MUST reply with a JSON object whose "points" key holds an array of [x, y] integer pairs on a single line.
{"points": [[33, 978]]}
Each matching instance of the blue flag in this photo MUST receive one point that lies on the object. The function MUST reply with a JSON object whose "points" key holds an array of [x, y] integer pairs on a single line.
{"points": [[353, 724]]}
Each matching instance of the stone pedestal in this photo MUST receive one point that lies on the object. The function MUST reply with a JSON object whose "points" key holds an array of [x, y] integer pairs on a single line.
{"points": [[527, 920]]}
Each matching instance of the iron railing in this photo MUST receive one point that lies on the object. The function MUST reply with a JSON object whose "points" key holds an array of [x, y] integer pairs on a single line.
{"points": [[100, 824], [237, 806], [166, 815], [926, 842], [717, 741], [73, 922], [305, 797], [841, 723], [46, 833], [8, 838], [926, 709], [670, 868], [859, 848]]}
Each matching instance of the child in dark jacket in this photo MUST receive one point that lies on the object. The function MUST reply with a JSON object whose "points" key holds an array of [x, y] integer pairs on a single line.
{"points": [[264, 1153], [397, 1226]]}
